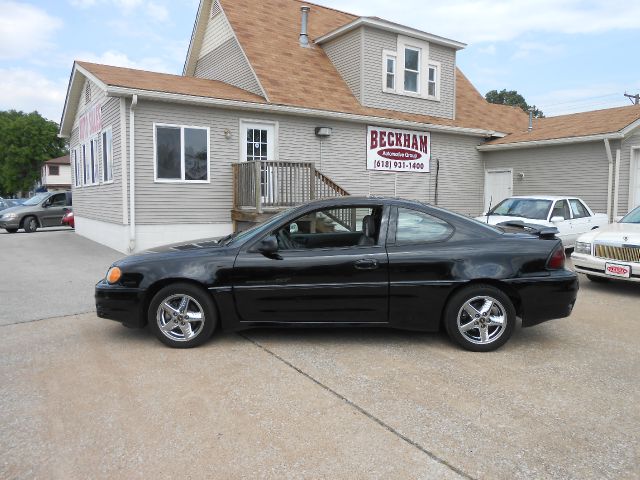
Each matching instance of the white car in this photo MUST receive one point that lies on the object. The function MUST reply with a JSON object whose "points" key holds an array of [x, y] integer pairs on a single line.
{"points": [[612, 251], [570, 215]]}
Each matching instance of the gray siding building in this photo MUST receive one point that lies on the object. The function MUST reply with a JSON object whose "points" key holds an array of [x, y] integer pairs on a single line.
{"points": [[259, 122]]}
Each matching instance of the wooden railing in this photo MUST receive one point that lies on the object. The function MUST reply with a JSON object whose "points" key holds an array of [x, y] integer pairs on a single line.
{"points": [[263, 185]]}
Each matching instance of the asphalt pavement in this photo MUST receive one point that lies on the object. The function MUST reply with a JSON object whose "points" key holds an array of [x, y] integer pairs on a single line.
{"points": [[83, 397]]}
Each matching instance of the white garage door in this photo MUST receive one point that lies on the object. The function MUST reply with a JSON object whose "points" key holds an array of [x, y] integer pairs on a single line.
{"points": [[498, 185]]}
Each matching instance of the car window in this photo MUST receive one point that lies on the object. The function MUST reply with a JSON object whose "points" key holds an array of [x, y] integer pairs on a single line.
{"points": [[331, 227], [632, 217], [58, 200], [561, 209], [420, 227], [533, 208], [35, 200], [578, 208]]}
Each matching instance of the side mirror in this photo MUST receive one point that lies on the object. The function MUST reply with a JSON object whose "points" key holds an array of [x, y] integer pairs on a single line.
{"points": [[557, 219], [268, 245]]}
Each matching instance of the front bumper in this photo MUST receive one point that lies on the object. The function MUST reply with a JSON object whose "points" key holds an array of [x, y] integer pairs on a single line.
{"points": [[547, 298], [10, 223], [122, 304], [590, 265]]}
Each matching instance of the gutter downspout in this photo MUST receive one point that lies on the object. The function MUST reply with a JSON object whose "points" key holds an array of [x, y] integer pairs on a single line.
{"points": [[607, 147], [617, 186], [132, 170]]}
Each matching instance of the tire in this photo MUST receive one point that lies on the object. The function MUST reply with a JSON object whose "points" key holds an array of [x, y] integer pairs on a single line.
{"points": [[11, 230], [188, 331], [30, 224], [487, 329], [596, 279]]}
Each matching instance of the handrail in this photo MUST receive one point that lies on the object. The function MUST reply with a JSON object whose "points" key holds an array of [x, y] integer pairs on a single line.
{"points": [[260, 184]]}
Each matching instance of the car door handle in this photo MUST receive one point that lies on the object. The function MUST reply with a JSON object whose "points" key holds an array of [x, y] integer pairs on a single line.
{"points": [[366, 264]]}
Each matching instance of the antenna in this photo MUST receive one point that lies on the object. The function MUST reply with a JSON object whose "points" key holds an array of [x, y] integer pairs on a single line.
{"points": [[635, 99], [489, 209]]}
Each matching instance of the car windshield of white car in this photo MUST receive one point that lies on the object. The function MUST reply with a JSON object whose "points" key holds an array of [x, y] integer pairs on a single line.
{"points": [[632, 217], [533, 208]]}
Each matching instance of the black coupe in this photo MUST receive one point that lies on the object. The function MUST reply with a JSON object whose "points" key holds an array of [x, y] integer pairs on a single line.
{"points": [[348, 262]]}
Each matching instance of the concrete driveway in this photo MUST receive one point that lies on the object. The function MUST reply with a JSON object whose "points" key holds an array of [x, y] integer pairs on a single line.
{"points": [[83, 397]]}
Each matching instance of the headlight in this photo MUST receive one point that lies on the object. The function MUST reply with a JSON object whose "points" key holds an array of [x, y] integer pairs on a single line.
{"points": [[9, 216], [583, 247], [113, 275]]}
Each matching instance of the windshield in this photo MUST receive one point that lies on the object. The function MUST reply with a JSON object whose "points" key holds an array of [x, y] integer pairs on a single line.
{"points": [[523, 207], [36, 199], [258, 229], [632, 217]]}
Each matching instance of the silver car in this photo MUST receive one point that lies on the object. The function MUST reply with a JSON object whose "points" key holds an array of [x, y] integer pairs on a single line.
{"points": [[42, 210]]}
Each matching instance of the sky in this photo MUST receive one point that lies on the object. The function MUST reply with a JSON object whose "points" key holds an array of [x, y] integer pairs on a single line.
{"points": [[564, 56]]}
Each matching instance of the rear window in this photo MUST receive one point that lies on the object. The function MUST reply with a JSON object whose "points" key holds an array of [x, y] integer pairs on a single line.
{"points": [[420, 227]]}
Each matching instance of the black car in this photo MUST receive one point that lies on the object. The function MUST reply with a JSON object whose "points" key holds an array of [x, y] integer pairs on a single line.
{"points": [[348, 262]]}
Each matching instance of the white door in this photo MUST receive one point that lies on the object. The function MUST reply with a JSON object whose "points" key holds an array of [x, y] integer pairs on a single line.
{"points": [[498, 185], [258, 143], [635, 177]]}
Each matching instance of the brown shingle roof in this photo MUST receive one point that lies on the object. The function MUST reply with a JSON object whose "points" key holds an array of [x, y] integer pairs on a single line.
{"points": [[582, 124], [163, 82], [64, 160]]}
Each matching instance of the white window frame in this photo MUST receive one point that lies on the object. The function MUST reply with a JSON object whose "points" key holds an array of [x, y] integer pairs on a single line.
{"points": [[85, 164], [155, 154], [389, 55], [93, 162], [103, 135], [634, 164], [437, 66], [77, 168], [418, 72]]}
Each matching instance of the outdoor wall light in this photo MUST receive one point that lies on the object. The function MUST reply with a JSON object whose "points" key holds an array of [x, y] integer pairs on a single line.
{"points": [[323, 132], [227, 133], [521, 175]]}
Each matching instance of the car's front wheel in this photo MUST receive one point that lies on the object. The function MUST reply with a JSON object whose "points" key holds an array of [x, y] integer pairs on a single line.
{"points": [[480, 318], [182, 315], [30, 224]]}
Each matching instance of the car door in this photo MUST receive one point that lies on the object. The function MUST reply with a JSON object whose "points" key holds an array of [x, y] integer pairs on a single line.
{"points": [[53, 209], [421, 267], [582, 220], [565, 227], [309, 283]]}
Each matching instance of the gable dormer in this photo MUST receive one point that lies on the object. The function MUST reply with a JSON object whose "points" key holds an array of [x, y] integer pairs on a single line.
{"points": [[394, 67], [214, 51]]}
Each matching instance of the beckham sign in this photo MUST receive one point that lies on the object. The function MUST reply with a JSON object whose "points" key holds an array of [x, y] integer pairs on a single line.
{"points": [[398, 150]]}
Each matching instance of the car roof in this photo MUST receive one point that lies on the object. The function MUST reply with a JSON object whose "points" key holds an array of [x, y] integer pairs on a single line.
{"points": [[366, 200], [544, 197]]}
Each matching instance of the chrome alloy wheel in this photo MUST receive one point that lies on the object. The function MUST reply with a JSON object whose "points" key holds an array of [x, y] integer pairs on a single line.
{"points": [[180, 318], [482, 320]]}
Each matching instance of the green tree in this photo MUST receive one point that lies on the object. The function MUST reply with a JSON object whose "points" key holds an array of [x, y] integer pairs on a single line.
{"points": [[26, 141], [513, 98]]}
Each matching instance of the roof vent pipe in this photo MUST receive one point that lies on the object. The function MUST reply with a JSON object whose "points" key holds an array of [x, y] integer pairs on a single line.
{"points": [[530, 119], [304, 37]]}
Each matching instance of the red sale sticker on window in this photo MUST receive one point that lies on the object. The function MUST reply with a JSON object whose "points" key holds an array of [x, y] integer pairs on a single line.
{"points": [[398, 150]]}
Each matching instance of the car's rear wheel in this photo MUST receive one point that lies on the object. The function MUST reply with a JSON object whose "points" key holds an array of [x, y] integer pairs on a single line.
{"points": [[182, 315], [596, 279], [30, 224], [11, 230], [480, 318]]}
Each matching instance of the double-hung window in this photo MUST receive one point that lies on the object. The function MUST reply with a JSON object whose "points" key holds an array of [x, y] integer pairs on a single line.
{"points": [[181, 153], [93, 161], [411, 70], [85, 164], [77, 169], [390, 72], [432, 81], [107, 155]]}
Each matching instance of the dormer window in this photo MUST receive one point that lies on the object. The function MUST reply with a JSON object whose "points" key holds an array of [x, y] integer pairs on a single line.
{"points": [[411, 70], [390, 72], [416, 76]]}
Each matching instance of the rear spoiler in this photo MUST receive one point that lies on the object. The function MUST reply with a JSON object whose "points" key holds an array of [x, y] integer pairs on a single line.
{"points": [[540, 230]]}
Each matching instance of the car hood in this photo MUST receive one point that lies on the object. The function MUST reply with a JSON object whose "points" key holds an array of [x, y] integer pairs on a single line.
{"points": [[496, 219], [209, 246], [614, 234], [17, 209]]}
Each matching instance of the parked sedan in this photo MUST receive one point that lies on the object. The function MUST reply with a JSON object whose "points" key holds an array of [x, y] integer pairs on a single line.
{"points": [[571, 216], [612, 252], [347, 262], [42, 210]]}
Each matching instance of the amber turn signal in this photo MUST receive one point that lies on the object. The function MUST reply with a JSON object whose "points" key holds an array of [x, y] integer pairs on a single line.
{"points": [[114, 274]]}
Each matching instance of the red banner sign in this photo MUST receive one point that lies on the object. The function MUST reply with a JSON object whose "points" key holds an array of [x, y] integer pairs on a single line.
{"points": [[90, 123]]}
